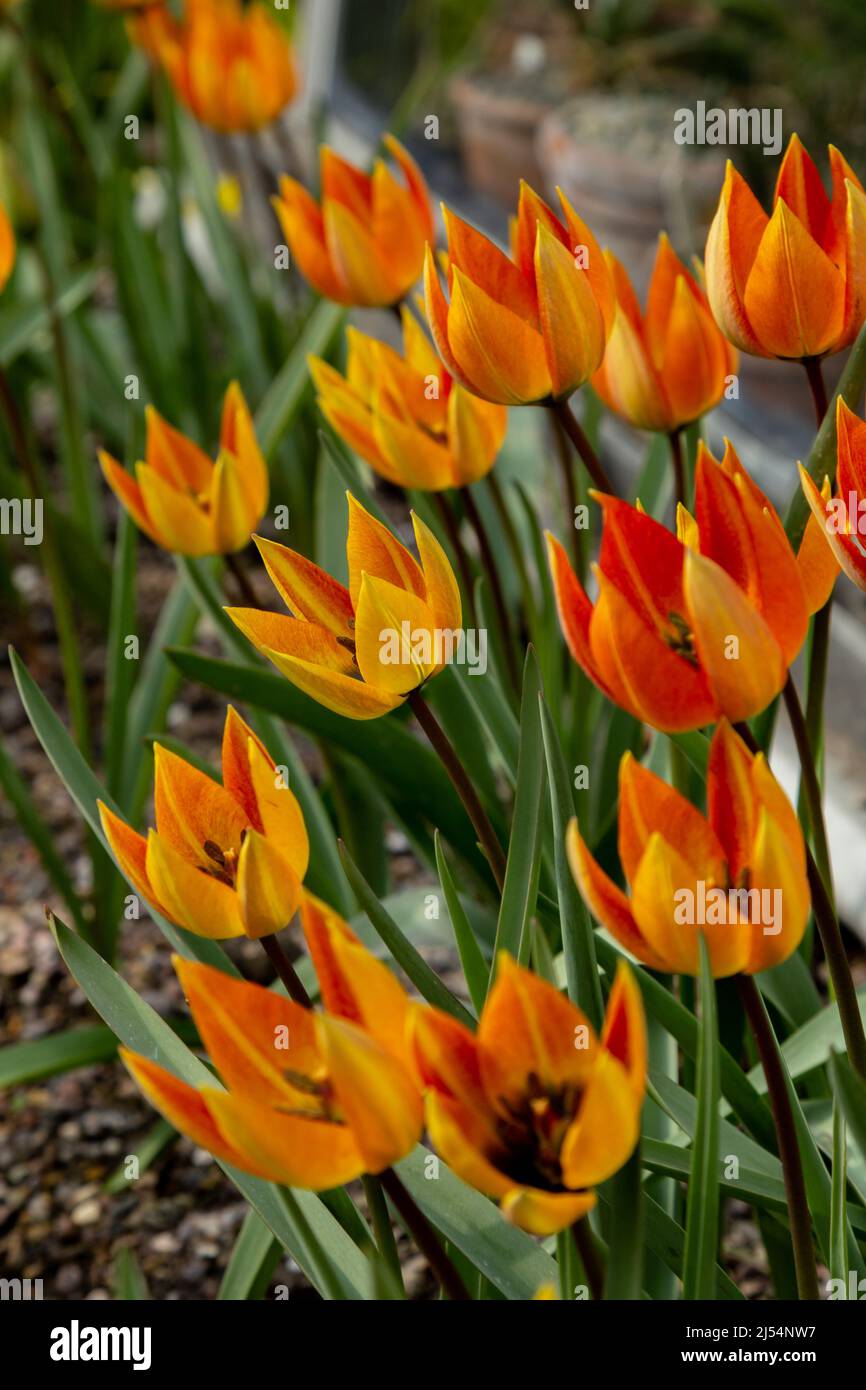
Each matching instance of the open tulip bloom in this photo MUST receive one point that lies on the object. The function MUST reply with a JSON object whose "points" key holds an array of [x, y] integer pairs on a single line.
{"points": [[525, 329], [688, 629], [361, 650], [405, 416], [224, 860], [7, 247], [842, 516], [534, 1109], [308, 1099], [184, 501], [364, 243], [791, 285], [737, 875]]}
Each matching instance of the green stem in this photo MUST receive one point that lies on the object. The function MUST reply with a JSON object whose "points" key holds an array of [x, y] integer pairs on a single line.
{"points": [[786, 1132], [452, 530], [383, 1230], [588, 1251], [569, 487], [811, 785], [679, 462], [424, 1237], [591, 462], [492, 571], [815, 378], [514, 545], [468, 795]]}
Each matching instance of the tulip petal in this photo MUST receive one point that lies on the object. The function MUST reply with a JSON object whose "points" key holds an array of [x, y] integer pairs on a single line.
{"points": [[795, 296], [194, 899], [624, 1033], [342, 694], [279, 814], [7, 247], [193, 810], [182, 1105], [463, 1139], [287, 1149], [446, 1055], [127, 492], [232, 512], [372, 549], [130, 850], [846, 548], [781, 883], [647, 804], [627, 381], [293, 637], [396, 637], [304, 230], [436, 306], [528, 1028], [744, 664], [605, 1131], [441, 589], [308, 591], [574, 609], [731, 800], [545, 1213], [501, 355], [732, 245], [672, 906], [360, 261], [177, 460], [607, 903], [476, 432], [581, 241], [480, 261], [237, 737], [799, 186], [375, 1092], [255, 1037], [572, 324], [177, 521], [267, 885]]}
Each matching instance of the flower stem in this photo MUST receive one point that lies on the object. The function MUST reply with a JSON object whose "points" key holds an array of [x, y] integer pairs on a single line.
{"points": [[569, 487], [453, 533], [424, 1236], [385, 1242], [492, 572], [588, 1251], [679, 462], [786, 1133], [590, 459], [243, 581], [815, 378], [468, 795], [286, 971], [811, 784]]}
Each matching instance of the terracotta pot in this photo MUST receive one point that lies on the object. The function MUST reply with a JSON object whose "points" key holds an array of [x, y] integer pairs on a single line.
{"points": [[498, 118]]}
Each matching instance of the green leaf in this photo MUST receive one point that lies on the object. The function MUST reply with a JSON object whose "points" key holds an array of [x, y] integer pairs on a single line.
{"points": [[509, 1258], [813, 1044], [141, 1029], [25, 1062], [625, 1260], [475, 968], [838, 1257], [23, 324], [120, 670], [155, 1142], [129, 1281], [425, 980], [41, 837], [292, 383], [702, 1212], [850, 1091], [578, 940], [524, 857], [255, 1255]]}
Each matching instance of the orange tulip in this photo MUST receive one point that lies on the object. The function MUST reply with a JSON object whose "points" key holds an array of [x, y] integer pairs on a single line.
{"points": [[737, 875], [534, 1109], [527, 329], [231, 65], [686, 630], [150, 27], [183, 501], [842, 518], [224, 860], [792, 285], [364, 244], [311, 1100], [359, 651], [414, 426], [7, 247], [667, 368]]}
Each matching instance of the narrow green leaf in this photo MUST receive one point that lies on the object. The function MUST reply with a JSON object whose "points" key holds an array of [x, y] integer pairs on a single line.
{"points": [[625, 1258], [155, 1142], [702, 1212], [472, 960], [129, 1281], [255, 1255], [292, 383], [25, 1062], [425, 980], [838, 1206], [524, 856], [578, 940]]}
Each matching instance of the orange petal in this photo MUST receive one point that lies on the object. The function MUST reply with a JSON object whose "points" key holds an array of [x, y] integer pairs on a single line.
{"points": [[442, 591], [303, 227], [277, 632], [127, 492], [375, 1091], [527, 1027], [178, 460], [372, 549], [178, 523], [799, 186], [192, 809], [130, 850], [607, 903], [7, 247], [574, 609], [353, 698], [268, 887], [648, 805], [795, 296], [476, 431], [182, 1106], [193, 899], [446, 1055], [306, 589], [846, 547], [361, 262], [237, 736], [287, 1148], [489, 269], [545, 1213], [464, 1139], [732, 245], [667, 905], [599, 1140], [572, 324], [782, 885], [501, 355], [624, 1033]]}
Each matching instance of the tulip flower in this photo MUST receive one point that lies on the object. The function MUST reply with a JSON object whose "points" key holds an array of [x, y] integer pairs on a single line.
{"points": [[310, 1100], [688, 629], [361, 650], [405, 416], [842, 518], [150, 27], [364, 244], [183, 501], [534, 1109], [737, 875], [7, 247], [224, 860], [792, 285], [527, 329], [231, 65], [666, 368]]}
